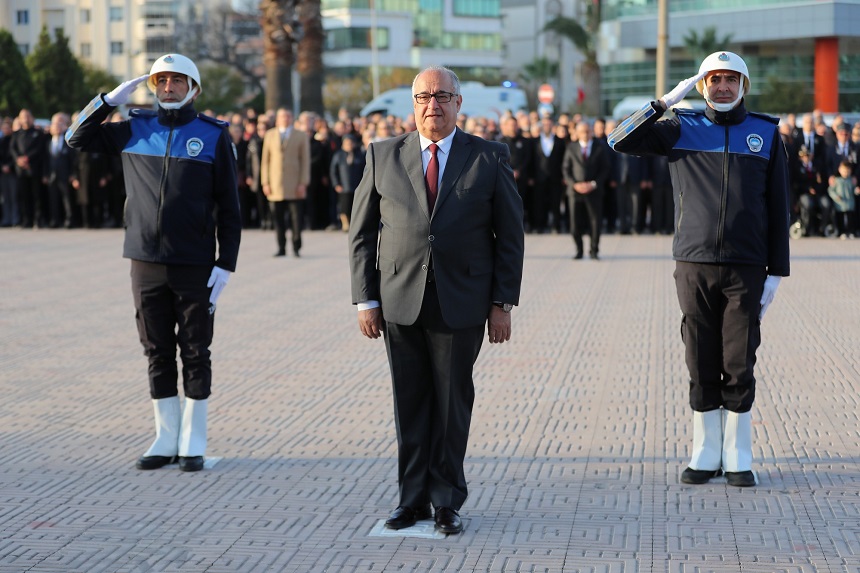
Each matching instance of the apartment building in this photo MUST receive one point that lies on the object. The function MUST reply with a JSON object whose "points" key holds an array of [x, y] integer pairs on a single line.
{"points": [[123, 37], [465, 35]]}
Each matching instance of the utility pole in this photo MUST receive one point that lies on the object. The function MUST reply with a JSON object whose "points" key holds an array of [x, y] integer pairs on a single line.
{"points": [[662, 47]]}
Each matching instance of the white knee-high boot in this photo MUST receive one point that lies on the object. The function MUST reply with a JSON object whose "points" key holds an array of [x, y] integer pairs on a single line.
{"points": [[737, 442], [192, 437], [167, 420], [707, 440]]}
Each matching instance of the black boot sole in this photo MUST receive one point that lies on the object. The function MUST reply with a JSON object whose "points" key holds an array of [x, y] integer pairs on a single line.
{"points": [[154, 462], [698, 477]]}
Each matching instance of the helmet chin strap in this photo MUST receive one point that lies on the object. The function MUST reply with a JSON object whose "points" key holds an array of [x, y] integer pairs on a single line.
{"points": [[723, 107], [179, 104]]}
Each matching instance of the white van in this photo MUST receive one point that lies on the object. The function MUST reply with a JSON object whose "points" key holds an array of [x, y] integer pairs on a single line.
{"points": [[478, 100]]}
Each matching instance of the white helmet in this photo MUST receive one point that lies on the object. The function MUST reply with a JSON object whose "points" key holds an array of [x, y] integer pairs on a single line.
{"points": [[179, 64], [724, 61]]}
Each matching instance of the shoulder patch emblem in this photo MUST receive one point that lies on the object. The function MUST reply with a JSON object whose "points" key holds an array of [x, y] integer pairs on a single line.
{"points": [[194, 146], [755, 142]]}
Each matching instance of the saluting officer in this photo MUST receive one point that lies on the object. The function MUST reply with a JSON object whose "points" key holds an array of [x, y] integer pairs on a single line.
{"points": [[183, 227]]}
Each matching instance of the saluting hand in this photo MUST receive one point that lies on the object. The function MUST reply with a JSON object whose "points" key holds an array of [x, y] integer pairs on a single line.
{"points": [[678, 93], [120, 94]]}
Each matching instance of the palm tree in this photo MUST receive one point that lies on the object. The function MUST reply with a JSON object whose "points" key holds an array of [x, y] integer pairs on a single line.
{"points": [[540, 71], [309, 54], [585, 39], [699, 48], [281, 30]]}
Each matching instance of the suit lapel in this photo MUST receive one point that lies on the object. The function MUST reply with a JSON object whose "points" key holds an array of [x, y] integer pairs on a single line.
{"points": [[410, 151], [458, 156]]}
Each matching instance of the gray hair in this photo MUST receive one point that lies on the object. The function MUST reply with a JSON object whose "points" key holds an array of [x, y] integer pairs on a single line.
{"points": [[455, 81]]}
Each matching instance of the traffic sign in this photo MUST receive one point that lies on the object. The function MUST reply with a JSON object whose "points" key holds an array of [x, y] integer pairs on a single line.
{"points": [[545, 93]]}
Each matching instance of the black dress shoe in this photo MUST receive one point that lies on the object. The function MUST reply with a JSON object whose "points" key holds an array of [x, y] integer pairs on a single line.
{"points": [[404, 517], [280, 254], [740, 479], [191, 464], [594, 257], [692, 476], [154, 462], [448, 520], [577, 256]]}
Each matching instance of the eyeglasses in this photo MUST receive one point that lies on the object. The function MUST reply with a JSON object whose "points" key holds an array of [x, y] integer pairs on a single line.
{"points": [[441, 97]]}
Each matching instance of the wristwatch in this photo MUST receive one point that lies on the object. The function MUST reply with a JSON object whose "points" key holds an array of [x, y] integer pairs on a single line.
{"points": [[507, 307]]}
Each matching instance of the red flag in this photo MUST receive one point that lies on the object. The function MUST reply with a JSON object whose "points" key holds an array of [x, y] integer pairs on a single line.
{"points": [[580, 95]]}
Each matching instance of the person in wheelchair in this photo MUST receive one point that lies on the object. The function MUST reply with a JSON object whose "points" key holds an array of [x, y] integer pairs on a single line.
{"points": [[816, 208]]}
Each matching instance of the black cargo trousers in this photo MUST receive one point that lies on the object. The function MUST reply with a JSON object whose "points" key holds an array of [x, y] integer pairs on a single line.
{"points": [[172, 308], [721, 331]]}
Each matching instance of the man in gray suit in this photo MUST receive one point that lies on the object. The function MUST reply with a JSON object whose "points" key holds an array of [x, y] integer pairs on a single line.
{"points": [[436, 251]]}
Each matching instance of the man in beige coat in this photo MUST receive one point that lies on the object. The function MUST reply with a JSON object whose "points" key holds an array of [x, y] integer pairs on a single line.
{"points": [[285, 171]]}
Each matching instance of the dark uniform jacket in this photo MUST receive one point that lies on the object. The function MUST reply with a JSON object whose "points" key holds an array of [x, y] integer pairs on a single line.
{"points": [[180, 179], [730, 178]]}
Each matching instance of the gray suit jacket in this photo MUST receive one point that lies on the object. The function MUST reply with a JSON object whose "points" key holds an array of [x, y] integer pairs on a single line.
{"points": [[475, 233]]}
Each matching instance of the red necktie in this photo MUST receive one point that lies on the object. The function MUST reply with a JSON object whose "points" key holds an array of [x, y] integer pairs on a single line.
{"points": [[585, 153], [431, 177]]}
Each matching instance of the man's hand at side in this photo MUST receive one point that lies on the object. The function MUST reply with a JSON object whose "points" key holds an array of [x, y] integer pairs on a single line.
{"points": [[498, 325], [370, 322]]}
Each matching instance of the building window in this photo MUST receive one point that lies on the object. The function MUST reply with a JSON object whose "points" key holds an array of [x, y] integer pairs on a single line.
{"points": [[116, 13], [116, 48], [480, 8], [86, 50], [160, 44], [24, 49], [86, 15], [355, 38], [22, 17]]}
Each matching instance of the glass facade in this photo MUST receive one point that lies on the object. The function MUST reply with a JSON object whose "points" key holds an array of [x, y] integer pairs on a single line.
{"points": [[355, 38], [612, 9], [479, 8], [159, 10], [427, 38], [410, 6], [427, 17]]}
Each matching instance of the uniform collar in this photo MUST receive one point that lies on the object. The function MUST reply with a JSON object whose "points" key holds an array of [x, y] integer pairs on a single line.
{"points": [[732, 117], [179, 116]]}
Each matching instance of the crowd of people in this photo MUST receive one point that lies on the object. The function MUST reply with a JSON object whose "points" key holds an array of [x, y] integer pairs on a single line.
{"points": [[44, 183]]}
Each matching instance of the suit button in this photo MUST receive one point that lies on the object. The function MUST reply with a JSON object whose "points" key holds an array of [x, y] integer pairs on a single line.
{"points": [[431, 238]]}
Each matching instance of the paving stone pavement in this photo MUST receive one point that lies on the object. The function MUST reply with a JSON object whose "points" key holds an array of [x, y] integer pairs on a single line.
{"points": [[580, 432]]}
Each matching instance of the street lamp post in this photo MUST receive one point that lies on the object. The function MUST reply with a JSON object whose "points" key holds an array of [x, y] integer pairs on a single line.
{"points": [[374, 50], [662, 46]]}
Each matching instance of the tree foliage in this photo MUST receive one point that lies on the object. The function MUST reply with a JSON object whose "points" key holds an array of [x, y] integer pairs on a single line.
{"points": [[572, 30], [351, 93], [778, 96], [540, 71], [706, 44], [97, 80], [584, 37], [16, 88], [223, 89], [58, 78]]}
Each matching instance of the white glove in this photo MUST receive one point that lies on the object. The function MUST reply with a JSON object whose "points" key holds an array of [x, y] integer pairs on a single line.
{"points": [[681, 90], [770, 284], [217, 281], [120, 94]]}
